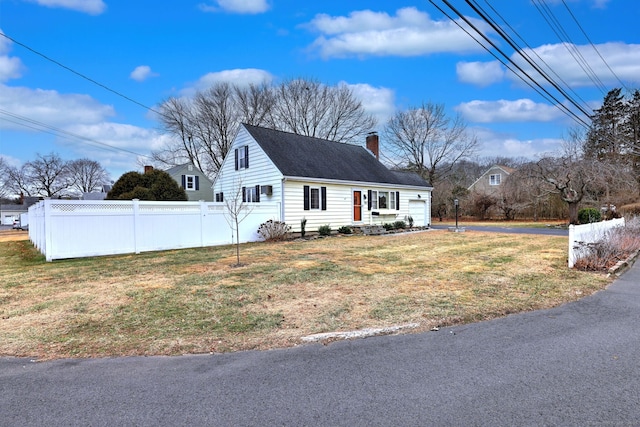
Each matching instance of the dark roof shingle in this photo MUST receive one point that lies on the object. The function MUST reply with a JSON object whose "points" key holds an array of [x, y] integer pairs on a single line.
{"points": [[304, 156]]}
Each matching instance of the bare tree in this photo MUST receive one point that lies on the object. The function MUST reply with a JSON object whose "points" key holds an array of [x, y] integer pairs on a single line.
{"points": [[308, 107], [87, 175], [4, 179], [236, 210], [428, 141], [48, 175]]}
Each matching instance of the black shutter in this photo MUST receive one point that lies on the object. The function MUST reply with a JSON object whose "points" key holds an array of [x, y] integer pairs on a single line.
{"points": [[221, 196], [306, 197], [197, 183], [184, 182], [369, 199], [246, 156], [236, 152], [397, 200], [244, 194], [323, 198], [257, 193]]}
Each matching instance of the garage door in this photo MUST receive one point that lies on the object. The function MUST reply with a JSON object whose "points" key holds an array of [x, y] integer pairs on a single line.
{"points": [[417, 211]]}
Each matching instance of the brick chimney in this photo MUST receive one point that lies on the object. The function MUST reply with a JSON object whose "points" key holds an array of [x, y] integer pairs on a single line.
{"points": [[373, 145], [148, 169]]}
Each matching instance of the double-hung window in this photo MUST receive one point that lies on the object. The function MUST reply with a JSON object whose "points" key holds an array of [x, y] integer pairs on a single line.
{"points": [[242, 157], [494, 179], [315, 198], [251, 194], [190, 182]]}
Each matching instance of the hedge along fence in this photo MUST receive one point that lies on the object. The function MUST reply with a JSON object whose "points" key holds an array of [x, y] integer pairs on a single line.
{"points": [[83, 228], [581, 235]]}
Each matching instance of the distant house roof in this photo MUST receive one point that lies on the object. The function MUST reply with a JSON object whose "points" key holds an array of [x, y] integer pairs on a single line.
{"points": [[308, 157]]}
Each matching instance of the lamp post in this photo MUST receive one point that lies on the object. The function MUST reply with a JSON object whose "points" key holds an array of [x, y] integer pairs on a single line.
{"points": [[455, 203]]}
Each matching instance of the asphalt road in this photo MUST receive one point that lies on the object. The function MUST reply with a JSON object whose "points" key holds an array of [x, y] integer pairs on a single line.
{"points": [[575, 365], [550, 231]]}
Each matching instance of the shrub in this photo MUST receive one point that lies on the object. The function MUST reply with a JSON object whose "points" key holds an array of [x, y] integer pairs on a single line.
{"points": [[303, 226], [589, 215], [345, 230], [324, 230], [616, 245], [388, 226], [274, 230], [400, 225], [409, 220]]}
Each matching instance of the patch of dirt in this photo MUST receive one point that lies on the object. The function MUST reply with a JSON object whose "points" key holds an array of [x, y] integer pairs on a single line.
{"points": [[13, 235]]}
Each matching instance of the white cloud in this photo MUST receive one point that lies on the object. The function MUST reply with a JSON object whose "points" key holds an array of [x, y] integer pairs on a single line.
{"points": [[121, 135], [520, 110], [409, 33], [92, 7], [480, 73], [51, 107], [620, 57], [496, 144], [10, 67], [238, 76], [378, 101], [142, 73], [236, 6]]}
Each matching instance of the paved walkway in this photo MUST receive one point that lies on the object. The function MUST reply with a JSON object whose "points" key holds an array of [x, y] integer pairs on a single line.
{"points": [[574, 365]]}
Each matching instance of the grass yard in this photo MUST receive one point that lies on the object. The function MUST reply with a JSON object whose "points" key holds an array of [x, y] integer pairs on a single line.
{"points": [[194, 300]]}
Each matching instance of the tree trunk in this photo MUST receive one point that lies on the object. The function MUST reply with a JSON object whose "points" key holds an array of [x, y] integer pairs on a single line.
{"points": [[573, 213]]}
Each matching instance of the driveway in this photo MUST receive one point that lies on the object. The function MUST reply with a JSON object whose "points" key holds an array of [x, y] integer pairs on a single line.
{"points": [[573, 365]]}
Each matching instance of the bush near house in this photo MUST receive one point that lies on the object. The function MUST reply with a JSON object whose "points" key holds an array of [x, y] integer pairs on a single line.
{"points": [[345, 230], [155, 185], [274, 230], [589, 215], [324, 230]]}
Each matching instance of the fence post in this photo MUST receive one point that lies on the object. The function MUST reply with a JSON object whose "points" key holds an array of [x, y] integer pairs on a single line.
{"points": [[135, 225], [572, 256], [203, 213], [48, 238]]}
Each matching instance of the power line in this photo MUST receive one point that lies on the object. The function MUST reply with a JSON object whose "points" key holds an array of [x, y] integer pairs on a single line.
{"points": [[43, 127], [547, 95], [80, 74], [594, 46]]}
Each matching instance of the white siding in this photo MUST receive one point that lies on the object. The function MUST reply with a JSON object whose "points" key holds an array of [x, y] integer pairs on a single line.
{"points": [[261, 171], [339, 210]]}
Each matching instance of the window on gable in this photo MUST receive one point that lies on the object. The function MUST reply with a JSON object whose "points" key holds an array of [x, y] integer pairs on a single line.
{"points": [[220, 197], [494, 179], [190, 182], [242, 157]]}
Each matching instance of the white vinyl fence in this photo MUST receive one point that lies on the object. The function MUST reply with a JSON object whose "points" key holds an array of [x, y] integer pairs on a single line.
{"points": [[82, 228], [579, 235]]}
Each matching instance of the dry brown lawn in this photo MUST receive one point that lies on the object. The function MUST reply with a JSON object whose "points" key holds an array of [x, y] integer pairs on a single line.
{"points": [[195, 300]]}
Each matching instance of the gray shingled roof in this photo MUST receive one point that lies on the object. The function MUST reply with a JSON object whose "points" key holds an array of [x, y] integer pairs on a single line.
{"points": [[304, 156]]}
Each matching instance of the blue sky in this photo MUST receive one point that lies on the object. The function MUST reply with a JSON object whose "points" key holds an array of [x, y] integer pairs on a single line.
{"points": [[394, 55]]}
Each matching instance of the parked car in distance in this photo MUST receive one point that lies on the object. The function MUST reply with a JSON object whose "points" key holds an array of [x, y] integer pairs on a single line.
{"points": [[16, 224]]}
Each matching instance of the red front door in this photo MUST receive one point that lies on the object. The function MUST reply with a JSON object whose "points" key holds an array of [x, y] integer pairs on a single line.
{"points": [[357, 206]]}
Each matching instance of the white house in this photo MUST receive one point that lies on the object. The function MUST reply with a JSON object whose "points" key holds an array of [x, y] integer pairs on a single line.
{"points": [[325, 182]]}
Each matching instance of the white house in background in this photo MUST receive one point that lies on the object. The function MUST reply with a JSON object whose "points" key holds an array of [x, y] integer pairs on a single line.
{"points": [[491, 181], [193, 180], [325, 182]]}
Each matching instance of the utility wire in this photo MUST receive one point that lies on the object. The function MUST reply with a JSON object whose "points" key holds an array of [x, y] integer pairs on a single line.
{"points": [[80, 74], [551, 70], [594, 46], [531, 63], [43, 127], [558, 104], [568, 43]]}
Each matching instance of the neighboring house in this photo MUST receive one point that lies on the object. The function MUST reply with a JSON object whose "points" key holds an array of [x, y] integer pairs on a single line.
{"points": [[324, 182], [98, 195], [490, 181], [194, 182], [12, 211]]}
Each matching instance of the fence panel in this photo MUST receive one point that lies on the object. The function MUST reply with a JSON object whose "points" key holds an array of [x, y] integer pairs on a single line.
{"points": [[579, 235], [82, 228]]}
